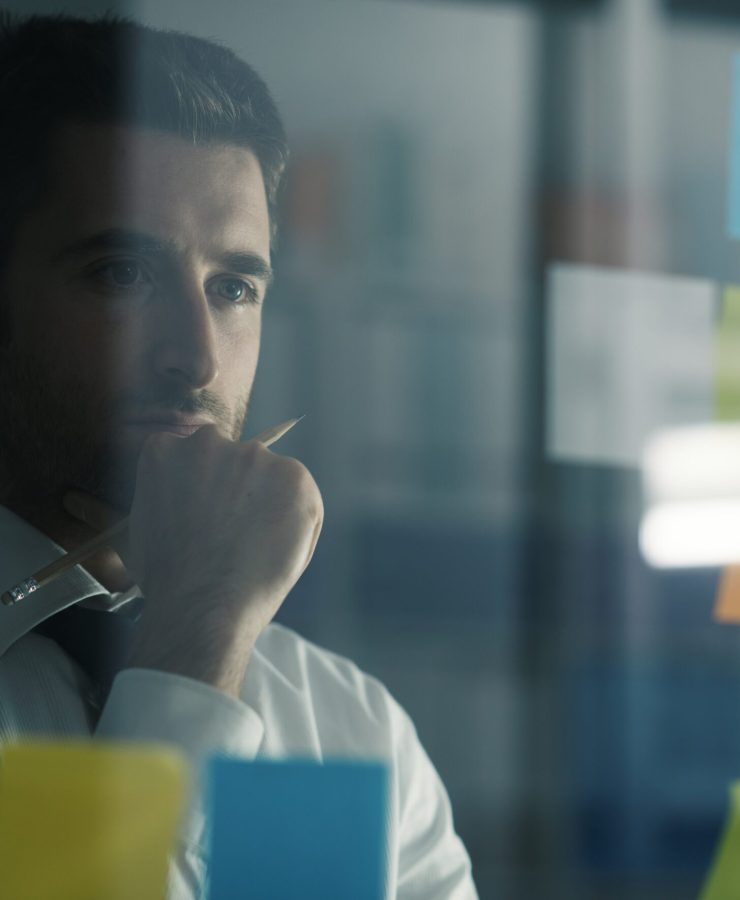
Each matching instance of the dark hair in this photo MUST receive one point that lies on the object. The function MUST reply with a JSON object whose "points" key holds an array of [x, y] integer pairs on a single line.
{"points": [[57, 69]]}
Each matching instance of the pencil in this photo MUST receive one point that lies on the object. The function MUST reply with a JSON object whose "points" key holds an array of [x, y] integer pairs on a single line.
{"points": [[53, 570]]}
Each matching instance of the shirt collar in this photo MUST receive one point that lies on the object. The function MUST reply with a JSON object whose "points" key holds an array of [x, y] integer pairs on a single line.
{"points": [[23, 551]]}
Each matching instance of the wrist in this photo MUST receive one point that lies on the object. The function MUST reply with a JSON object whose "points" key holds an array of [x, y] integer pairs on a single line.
{"points": [[216, 655]]}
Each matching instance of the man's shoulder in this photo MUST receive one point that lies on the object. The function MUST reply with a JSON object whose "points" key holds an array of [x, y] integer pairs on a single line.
{"points": [[302, 664], [289, 671]]}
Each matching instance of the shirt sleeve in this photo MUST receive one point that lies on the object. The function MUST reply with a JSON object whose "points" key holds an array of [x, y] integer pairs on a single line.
{"points": [[432, 861], [153, 706]]}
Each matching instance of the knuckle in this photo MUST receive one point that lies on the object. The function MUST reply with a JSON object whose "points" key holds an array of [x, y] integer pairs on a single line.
{"points": [[253, 450], [303, 484], [295, 473]]}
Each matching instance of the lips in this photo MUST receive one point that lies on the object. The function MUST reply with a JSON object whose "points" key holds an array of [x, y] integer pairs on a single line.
{"points": [[175, 424]]}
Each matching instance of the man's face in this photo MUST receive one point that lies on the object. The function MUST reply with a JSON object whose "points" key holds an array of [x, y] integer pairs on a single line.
{"points": [[133, 298]]}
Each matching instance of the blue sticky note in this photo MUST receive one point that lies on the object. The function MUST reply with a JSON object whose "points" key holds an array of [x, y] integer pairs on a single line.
{"points": [[733, 217], [297, 829]]}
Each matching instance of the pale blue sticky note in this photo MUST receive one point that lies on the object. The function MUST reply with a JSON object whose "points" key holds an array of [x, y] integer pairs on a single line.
{"points": [[297, 829], [733, 213]]}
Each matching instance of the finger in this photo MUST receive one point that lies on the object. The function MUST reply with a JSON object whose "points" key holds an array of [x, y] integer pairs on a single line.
{"points": [[94, 512]]}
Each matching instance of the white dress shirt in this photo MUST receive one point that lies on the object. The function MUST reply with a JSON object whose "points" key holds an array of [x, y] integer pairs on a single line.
{"points": [[296, 699]]}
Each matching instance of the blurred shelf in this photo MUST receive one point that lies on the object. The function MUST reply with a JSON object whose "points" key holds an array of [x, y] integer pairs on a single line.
{"points": [[419, 290]]}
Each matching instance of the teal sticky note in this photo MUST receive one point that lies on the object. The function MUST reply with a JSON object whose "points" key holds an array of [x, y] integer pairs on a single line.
{"points": [[297, 829], [733, 211]]}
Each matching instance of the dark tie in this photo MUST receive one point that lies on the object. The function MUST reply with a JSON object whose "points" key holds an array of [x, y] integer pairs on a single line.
{"points": [[97, 640]]}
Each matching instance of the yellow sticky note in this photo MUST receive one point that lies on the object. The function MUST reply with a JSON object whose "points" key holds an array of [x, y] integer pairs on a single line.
{"points": [[88, 820], [723, 881], [727, 358]]}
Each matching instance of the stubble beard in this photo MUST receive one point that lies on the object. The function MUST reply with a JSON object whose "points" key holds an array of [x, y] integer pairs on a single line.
{"points": [[55, 434]]}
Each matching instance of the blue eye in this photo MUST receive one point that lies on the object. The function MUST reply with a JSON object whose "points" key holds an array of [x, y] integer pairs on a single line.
{"points": [[125, 273], [122, 275], [235, 290]]}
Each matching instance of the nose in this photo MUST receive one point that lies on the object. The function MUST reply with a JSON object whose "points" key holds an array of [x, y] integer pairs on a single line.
{"points": [[185, 348]]}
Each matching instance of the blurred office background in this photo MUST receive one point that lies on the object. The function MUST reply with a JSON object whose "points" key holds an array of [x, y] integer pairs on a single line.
{"points": [[582, 709]]}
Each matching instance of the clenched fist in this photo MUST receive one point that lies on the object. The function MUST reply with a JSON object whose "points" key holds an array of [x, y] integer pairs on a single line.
{"points": [[219, 532]]}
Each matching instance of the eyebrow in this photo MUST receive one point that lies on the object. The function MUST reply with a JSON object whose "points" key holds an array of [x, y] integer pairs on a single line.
{"points": [[244, 262]]}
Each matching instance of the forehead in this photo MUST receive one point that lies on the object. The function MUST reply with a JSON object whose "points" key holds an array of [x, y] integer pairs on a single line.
{"points": [[196, 196]]}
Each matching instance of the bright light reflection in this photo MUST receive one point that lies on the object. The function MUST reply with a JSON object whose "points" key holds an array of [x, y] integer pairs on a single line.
{"points": [[691, 534], [698, 463]]}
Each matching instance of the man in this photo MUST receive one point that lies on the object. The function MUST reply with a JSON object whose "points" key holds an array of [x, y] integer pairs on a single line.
{"points": [[140, 173]]}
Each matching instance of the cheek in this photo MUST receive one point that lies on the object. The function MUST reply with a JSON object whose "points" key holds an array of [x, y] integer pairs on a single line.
{"points": [[237, 371], [237, 367], [98, 354], [238, 352]]}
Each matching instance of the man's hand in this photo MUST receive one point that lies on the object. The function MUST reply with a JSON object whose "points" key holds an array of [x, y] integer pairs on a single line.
{"points": [[219, 532]]}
